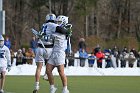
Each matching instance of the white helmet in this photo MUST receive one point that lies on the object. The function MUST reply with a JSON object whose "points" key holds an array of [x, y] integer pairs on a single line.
{"points": [[1, 41], [50, 17], [62, 20]]}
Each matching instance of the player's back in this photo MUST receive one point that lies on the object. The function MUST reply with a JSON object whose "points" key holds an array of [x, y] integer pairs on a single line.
{"points": [[49, 28]]}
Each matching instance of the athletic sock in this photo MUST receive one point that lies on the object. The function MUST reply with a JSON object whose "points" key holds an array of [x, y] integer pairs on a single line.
{"points": [[51, 86], [36, 83], [65, 87]]}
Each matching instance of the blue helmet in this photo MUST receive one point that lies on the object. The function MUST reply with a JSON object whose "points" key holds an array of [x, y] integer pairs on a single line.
{"points": [[50, 17]]}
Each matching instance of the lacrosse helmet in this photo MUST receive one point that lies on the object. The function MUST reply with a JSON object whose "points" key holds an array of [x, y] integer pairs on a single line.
{"points": [[62, 20], [1, 41], [50, 17]]}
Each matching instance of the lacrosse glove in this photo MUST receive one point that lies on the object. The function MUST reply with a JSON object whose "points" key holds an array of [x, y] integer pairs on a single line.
{"points": [[41, 34], [69, 30]]}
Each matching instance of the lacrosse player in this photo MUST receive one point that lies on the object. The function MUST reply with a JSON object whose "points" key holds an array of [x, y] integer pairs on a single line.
{"points": [[45, 45], [57, 58], [5, 62]]}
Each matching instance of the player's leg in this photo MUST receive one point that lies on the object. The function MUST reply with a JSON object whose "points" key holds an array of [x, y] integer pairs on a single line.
{"points": [[63, 78], [38, 71], [49, 52], [39, 59], [49, 69], [37, 76], [60, 61], [2, 81]]}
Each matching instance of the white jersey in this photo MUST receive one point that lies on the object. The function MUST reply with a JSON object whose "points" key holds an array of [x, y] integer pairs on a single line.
{"points": [[58, 53], [48, 29], [60, 42], [5, 56]]}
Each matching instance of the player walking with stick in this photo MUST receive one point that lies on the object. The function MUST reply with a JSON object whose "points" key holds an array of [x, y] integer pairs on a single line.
{"points": [[5, 62]]}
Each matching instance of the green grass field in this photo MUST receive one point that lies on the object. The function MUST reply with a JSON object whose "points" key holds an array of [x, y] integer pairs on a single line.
{"points": [[76, 84]]}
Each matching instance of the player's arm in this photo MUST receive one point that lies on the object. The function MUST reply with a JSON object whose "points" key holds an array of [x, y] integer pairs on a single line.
{"points": [[43, 30], [8, 57], [62, 30]]}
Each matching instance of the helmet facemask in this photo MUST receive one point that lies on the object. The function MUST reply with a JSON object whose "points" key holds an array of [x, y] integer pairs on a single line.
{"points": [[62, 20], [59, 22], [1, 43]]}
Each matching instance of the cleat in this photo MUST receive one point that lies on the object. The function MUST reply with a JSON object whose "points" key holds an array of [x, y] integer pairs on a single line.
{"points": [[52, 90], [37, 87], [65, 91], [35, 91], [45, 77], [1, 91]]}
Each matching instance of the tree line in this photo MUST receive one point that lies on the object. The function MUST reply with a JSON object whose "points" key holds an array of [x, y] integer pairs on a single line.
{"points": [[98, 21]]}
